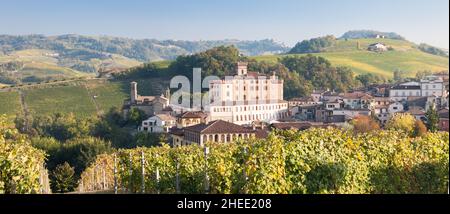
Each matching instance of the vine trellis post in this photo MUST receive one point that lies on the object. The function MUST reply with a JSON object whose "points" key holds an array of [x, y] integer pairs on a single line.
{"points": [[115, 173], [142, 172], [206, 181]]}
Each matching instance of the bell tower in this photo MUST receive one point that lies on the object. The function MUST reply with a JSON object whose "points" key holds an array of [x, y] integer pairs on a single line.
{"points": [[133, 92], [242, 68]]}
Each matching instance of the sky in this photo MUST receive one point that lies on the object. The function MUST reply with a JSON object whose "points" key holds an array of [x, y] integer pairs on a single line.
{"points": [[285, 21]]}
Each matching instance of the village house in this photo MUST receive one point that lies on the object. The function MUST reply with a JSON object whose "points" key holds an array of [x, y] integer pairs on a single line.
{"points": [[417, 112], [426, 87], [302, 101], [191, 118], [357, 100], [443, 120], [384, 107], [160, 123], [377, 47], [247, 97]]}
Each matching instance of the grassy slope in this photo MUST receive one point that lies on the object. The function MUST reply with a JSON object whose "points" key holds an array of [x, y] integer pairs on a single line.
{"points": [[405, 57], [78, 97], [64, 99], [10, 103]]}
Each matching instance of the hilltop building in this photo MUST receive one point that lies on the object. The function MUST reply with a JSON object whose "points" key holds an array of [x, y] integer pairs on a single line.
{"points": [[377, 47], [247, 97]]}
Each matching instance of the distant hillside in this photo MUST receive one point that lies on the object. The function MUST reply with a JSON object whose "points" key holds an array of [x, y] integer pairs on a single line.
{"points": [[353, 53], [144, 50], [55, 57], [369, 34]]}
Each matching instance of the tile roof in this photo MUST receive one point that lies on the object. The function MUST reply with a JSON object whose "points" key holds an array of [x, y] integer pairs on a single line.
{"points": [[194, 114], [405, 87], [218, 127], [356, 95], [443, 113]]}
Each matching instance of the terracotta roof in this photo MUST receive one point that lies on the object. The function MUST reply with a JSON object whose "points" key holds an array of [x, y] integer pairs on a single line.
{"points": [[356, 95], [218, 127], [261, 133], [165, 117], [167, 108], [194, 114], [443, 113], [176, 131], [416, 111]]}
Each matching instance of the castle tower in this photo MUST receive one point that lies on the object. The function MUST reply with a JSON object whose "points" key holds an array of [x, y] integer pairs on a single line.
{"points": [[133, 92], [242, 68], [167, 93]]}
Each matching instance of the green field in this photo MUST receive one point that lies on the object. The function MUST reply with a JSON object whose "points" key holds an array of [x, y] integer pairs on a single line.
{"points": [[108, 95], [83, 98], [63, 99], [10, 103], [405, 57]]}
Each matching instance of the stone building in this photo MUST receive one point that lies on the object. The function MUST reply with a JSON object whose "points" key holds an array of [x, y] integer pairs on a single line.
{"points": [[151, 105]]}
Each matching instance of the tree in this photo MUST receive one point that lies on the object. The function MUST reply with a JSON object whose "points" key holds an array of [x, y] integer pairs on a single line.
{"points": [[63, 178], [314, 45], [419, 128], [80, 152], [422, 74], [399, 75], [319, 72], [149, 139], [364, 123], [136, 116], [432, 119], [402, 122], [369, 79]]}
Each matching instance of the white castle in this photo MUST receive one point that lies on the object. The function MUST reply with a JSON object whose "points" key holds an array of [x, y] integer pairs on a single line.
{"points": [[247, 97]]}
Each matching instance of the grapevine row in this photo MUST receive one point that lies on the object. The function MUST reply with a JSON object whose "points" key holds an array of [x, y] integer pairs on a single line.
{"points": [[311, 161]]}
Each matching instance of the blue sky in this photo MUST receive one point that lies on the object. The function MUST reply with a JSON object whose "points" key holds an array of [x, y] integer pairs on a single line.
{"points": [[286, 21]]}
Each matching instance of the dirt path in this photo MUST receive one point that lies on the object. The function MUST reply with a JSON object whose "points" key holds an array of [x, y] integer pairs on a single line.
{"points": [[24, 106], [92, 97]]}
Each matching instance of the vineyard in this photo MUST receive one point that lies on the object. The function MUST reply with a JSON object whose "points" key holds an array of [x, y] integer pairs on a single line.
{"points": [[315, 161], [21, 165]]}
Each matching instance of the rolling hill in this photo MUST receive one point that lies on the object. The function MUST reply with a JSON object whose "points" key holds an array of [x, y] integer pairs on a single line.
{"points": [[67, 56], [95, 96], [405, 56]]}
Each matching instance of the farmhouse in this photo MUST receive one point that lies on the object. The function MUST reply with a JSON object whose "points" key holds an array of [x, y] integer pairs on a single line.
{"points": [[377, 47]]}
